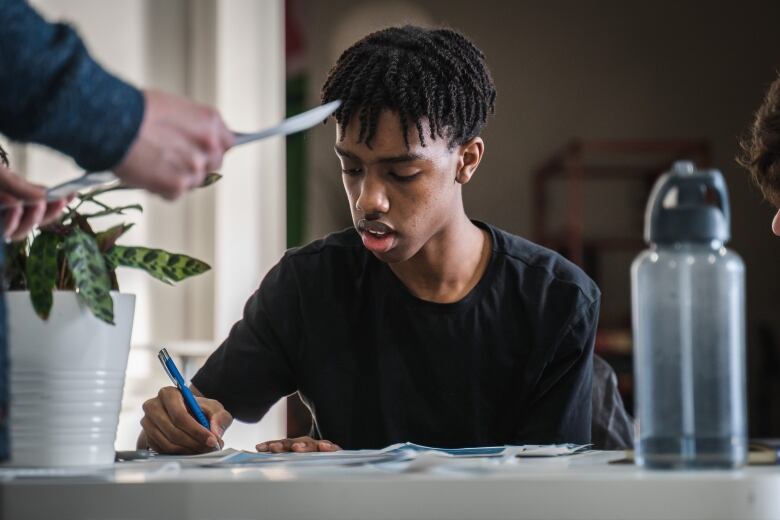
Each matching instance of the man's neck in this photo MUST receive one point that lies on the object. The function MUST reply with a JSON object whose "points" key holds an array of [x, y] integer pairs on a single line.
{"points": [[449, 266]]}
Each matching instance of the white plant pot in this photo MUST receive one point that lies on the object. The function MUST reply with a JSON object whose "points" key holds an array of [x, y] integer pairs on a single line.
{"points": [[66, 380]]}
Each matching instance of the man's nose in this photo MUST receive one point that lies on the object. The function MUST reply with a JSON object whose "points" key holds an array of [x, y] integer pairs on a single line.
{"points": [[373, 197]]}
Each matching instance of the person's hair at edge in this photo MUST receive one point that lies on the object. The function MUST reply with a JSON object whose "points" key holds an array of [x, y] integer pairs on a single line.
{"points": [[3, 157], [419, 73], [761, 148]]}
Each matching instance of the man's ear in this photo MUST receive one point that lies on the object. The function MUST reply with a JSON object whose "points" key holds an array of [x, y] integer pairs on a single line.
{"points": [[470, 155]]}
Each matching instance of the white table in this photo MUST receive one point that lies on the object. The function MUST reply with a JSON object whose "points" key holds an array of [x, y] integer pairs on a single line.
{"points": [[581, 486]]}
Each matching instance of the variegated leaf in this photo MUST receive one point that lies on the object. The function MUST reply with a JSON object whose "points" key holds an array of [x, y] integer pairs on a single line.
{"points": [[106, 239], [88, 269], [165, 266], [210, 179], [41, 270]]}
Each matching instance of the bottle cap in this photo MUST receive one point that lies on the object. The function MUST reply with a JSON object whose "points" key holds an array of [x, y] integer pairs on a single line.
{"points": [[688, 205]]}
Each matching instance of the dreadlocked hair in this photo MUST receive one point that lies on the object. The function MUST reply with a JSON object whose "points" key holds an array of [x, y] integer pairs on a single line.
{"points": [[419, 73], [761, 149]]}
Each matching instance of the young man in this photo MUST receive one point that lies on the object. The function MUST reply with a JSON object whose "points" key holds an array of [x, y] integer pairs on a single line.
{"points": [[762, 150], [418, 324]]}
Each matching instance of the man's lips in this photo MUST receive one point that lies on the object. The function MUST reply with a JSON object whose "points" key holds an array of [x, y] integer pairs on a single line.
{"points": [[375, 227], [377, 236]]}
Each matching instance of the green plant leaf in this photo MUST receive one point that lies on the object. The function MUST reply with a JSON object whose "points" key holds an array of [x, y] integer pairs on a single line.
{"points": [[210, 179], [81, 221], [90, 275], [165, 266], [106, 239], [41, 270]]}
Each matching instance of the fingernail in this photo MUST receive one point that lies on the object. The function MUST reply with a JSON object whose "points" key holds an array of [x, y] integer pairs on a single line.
{"points": [[212, 442], [298, 446]]}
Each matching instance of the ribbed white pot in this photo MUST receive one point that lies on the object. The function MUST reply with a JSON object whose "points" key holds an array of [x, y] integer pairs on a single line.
{"points": [[66, 380]]}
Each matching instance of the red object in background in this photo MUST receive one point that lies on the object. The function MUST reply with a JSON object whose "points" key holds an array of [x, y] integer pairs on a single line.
{"points": [[294, 42]]}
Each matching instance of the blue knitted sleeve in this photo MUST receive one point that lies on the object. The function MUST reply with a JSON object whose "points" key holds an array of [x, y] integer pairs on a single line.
{"points": [[53, 93]]}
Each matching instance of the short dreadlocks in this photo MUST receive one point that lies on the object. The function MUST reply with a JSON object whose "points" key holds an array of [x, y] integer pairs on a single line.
{"points": [[436, 74], [761, 150]]}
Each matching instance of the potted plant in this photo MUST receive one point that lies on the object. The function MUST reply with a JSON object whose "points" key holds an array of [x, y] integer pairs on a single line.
{"points": [[69, 331]]}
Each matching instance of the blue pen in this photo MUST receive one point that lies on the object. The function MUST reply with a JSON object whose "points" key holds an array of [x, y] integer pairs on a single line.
{"points": [[178, 380]]}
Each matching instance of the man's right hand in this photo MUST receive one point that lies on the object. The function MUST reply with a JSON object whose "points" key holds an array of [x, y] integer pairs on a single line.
{"points": [[179, 142], [168, 426]]}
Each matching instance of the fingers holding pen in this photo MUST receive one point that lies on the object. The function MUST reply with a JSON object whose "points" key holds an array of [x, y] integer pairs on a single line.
{"points": [[219, 418], [180, 417], [169, 427]]}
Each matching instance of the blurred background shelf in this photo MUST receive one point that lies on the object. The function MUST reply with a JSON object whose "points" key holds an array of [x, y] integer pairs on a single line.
{"points": [[588, 204]]}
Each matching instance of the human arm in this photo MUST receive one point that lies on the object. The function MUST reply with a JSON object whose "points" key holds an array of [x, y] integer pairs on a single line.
{"points": [[559, 407], [52, 92], [253, 367]]}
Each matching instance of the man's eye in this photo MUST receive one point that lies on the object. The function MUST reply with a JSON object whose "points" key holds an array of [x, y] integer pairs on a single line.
{"points": [[403, 178], [351, 171]]}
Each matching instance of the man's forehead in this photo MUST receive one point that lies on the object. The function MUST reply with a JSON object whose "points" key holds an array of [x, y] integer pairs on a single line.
{"points": [[388, 133]]}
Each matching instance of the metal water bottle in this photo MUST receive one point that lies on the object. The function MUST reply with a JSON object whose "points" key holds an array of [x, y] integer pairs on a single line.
{"points": [[688, 312]]}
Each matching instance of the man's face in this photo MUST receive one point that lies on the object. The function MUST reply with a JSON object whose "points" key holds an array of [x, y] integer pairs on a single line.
{"points": [[399, 197]]}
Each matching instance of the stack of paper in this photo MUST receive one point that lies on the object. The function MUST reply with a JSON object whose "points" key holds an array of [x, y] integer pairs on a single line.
{"points": [[394, 453]]}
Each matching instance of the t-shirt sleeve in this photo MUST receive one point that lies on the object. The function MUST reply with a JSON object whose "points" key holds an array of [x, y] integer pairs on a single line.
{"points": [[254, 366], [559, 409]]}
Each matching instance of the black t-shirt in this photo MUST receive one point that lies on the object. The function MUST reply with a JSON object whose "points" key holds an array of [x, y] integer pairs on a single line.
{"points": [[511, 363]]}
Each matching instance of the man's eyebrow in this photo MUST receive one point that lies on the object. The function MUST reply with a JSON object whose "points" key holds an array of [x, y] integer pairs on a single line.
{"points": [[344, 153], [407, 157]]}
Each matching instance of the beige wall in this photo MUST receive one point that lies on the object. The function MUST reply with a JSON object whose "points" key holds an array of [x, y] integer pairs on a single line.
{"points": [[225, 53]]}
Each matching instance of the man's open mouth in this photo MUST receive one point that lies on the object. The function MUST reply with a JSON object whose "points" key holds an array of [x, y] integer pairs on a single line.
{"points": [[377, 236]]}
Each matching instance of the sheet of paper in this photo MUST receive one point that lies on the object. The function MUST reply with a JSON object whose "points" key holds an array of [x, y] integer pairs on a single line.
{"points": [[343, 457], [394, 453], [292, 124], [550, 450], [212, 455]]}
